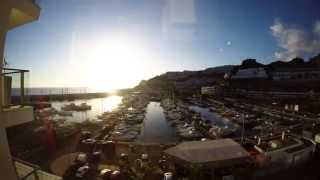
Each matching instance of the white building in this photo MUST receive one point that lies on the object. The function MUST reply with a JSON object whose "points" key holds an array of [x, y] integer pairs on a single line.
{"points": [[251, 73], [210, 90], [296, 74], [14, 13]]}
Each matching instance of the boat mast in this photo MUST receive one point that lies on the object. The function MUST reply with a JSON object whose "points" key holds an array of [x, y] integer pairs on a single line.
{"points": [[243, 130]]}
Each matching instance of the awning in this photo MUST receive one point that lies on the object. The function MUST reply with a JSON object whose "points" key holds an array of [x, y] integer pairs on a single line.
{"points": [[214, 153]]}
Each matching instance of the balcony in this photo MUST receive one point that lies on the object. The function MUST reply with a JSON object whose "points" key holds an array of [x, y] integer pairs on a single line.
{"points": [[28, 171], [16, 115], [23, 12], [15, 112]]}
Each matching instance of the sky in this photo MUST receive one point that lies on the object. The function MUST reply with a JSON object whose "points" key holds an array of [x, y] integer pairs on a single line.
{"points": [[111, 44]]}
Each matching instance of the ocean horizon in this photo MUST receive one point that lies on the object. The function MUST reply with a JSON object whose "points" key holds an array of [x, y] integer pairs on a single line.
{"points": [[54, 91]]}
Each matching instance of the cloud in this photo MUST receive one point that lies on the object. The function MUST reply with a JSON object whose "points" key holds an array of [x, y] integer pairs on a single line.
{"points": [[316, 28], [229, 43], [295, 42]]}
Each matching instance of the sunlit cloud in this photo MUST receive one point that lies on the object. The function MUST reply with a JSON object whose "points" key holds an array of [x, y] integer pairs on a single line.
{"points": [[295, 42]]}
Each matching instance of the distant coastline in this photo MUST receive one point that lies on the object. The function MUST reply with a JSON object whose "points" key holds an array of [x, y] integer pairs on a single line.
{"points": [[62, 93], [59, 91], [53, 91]]}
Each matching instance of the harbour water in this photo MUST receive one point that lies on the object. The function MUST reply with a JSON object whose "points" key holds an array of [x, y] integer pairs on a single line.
{"points": [[155, 128], [214, 118], [98, 106]]}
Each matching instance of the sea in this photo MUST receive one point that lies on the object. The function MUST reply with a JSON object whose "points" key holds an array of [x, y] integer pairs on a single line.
{"points": [[54, 91]]}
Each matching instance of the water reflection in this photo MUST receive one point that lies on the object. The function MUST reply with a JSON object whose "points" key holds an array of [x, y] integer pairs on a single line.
{"points": [[213, 117], [98, 106], [111, 103], [155, 126]]}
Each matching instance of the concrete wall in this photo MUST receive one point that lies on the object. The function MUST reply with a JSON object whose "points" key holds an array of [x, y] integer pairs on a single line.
{"points": [[301, 156], [6, 166], [279, 160], [16, 116]]}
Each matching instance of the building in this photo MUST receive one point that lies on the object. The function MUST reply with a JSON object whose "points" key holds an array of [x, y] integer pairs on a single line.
{"points": [[208, 90], [221, 158], [312, 132], [14, 13], [211, 90], [296, 74], [282, 152], [250, 73]]}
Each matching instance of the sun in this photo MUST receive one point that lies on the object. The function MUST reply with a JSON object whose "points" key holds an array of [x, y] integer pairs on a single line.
{"points": [[114, 63]]}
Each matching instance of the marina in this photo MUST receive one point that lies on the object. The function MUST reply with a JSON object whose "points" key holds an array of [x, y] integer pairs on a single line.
{"points": [[155, 127], [98, 107], [153, 90]]}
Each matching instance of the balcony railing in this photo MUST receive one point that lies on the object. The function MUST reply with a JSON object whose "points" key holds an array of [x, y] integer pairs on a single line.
{"points": [[14, 86], [15, 109], [28, 171]]}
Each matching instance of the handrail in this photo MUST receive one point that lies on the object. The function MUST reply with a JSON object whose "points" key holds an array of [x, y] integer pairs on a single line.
{"points": [[22, 75], [32, 171], [13, 71], [33, 166], [25, 162]]}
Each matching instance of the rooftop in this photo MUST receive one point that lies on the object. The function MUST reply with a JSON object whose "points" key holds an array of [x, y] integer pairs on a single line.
{"points": [[215, 153]]}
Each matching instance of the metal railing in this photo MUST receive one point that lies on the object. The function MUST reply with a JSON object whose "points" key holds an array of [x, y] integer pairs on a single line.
{"points": [[28, 171], [21, 75], [25, 170]]}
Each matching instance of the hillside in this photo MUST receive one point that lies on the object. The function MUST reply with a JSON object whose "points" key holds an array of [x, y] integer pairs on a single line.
{"points": [[186, 79], [193, 80]]}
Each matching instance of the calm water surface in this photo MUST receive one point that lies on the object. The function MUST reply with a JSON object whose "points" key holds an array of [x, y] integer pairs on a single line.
{"points": [[98, 106], [155, 127], [214, 118]]}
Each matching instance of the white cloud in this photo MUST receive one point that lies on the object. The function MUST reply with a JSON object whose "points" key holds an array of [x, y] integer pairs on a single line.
{"points": [[221, 50], [278, 55], [229, 43], [317, 27], [294, 41]]}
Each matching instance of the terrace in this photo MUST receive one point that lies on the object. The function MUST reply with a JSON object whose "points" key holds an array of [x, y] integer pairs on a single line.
{"points": [[15, 111], [276, 143]]}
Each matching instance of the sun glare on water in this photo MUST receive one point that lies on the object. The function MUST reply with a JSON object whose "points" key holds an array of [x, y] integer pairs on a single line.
{"points": [[114, 63], [111, 103]]}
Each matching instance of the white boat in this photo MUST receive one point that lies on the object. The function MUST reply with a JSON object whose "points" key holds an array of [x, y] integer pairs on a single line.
{"points": [[74, 107], [69, 107], [83, 107], [65, 113]]}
